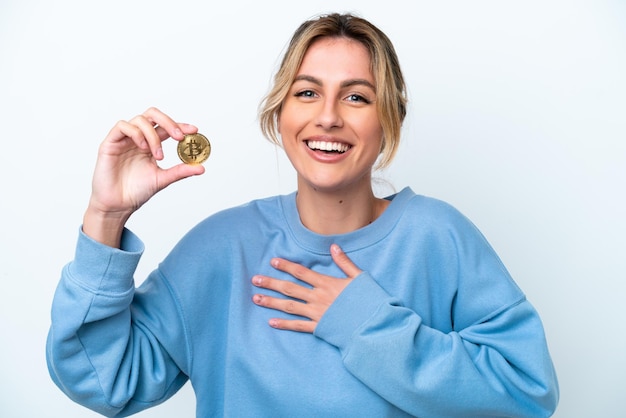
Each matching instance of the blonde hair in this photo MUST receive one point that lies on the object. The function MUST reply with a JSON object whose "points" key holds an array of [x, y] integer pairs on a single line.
{"points": [[391, 96]]}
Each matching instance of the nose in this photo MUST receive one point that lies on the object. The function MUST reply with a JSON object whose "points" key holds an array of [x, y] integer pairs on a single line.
{"points": [[329, 115]]}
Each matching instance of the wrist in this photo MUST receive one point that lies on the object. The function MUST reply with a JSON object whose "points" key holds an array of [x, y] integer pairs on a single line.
{"points": [[104, 227]]}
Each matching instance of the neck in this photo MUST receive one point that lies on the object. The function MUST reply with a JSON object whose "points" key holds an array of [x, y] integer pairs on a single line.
{"points": [[338, 212]]}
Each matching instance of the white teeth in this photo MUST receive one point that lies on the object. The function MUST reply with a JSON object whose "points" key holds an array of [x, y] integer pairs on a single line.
{"points": [[328, 146]]}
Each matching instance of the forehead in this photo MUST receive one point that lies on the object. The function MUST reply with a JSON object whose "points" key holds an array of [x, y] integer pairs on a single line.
{"points": [[337, 57]]}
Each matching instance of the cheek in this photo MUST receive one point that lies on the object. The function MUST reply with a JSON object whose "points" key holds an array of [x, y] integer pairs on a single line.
{"points": [[375, 134], [287, 124], [282, 122]]}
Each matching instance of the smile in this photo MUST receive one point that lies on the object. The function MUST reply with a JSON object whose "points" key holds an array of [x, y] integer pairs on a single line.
{"points": [[328, 146]]}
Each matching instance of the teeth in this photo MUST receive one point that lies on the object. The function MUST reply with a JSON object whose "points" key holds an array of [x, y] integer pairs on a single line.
{"points": [[328, 146]]}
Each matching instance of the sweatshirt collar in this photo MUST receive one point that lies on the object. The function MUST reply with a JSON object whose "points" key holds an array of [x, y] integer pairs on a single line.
{"points": [[351, 241]]}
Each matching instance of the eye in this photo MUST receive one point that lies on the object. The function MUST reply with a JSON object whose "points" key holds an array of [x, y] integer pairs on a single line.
{"points": [[305, 93], [357, 98]]}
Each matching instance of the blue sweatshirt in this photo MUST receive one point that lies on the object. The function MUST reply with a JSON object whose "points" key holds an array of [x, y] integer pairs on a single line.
{"points": [[433, 327]]}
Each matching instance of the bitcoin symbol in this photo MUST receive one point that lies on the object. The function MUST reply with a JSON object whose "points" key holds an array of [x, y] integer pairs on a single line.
{"points": [[194, 149]]}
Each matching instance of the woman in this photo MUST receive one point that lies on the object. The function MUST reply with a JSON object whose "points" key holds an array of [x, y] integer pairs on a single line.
{"points": [[376, 307]]}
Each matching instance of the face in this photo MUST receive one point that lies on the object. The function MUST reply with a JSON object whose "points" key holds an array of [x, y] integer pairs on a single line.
{"points": [[329, 122]]}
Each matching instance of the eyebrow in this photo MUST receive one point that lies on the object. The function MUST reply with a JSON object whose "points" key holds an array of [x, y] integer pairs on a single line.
{"points": [[347, 83]]}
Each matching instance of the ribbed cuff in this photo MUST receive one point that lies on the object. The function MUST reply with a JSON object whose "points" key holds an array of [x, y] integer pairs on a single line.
{"points": [[354, 307], [94, 261]]}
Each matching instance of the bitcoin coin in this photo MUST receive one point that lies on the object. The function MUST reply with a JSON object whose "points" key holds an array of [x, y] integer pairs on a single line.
{"points": [[194, 149]]}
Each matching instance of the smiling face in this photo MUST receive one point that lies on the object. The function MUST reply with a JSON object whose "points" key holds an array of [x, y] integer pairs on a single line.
{"points": [[329, 122]]}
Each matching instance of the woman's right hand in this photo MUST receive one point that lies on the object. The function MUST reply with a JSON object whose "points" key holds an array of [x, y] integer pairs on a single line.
{"points": [[127, 174]]}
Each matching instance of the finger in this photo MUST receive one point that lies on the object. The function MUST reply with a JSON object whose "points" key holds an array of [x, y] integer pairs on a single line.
{"points": [[293, 325], [289, 289], [148, 138], [343, 261], [289, 306], [186, 128], [178, 172], [122, 130], [296, 270], [163, 126], [173, 129]]}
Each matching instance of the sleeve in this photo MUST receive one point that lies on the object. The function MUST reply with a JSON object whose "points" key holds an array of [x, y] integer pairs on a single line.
{"points": [[498, 367], [493, 360], [103, 352]]}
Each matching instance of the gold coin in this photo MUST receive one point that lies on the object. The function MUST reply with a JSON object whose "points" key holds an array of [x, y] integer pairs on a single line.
{"points": [[194, 149]]}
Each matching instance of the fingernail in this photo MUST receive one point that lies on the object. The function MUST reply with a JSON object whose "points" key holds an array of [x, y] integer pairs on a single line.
{"points": [[158, 154], [256, 299], [178, 132], [335, 249], [257, 280], [274, 262]]}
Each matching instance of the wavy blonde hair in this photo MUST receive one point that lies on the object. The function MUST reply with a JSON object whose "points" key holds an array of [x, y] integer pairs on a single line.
{"points": [[391, 97]]}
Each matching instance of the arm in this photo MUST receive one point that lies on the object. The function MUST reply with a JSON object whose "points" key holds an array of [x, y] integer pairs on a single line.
{"points": [[103, 353], [495, 365], [499, 366]]}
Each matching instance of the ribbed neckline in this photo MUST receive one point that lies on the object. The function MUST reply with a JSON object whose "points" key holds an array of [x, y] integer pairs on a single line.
{"points": [[351, 241]]}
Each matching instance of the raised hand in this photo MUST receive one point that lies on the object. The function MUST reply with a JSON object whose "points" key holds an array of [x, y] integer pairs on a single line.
{"points": [[127, 173], [309, 302]]}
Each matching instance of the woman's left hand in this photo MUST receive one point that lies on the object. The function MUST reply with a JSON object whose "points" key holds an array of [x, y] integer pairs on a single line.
{"points": [[309, 302]]}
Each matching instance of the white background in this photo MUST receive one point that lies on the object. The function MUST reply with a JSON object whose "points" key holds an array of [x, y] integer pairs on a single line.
{"points": [[517, 117]]}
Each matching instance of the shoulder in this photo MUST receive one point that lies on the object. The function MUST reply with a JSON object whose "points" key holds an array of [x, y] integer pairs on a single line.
{"points": [[455, 245], [241, 217], [229, 226], [431, 213], [215, 242], [440, 225]]}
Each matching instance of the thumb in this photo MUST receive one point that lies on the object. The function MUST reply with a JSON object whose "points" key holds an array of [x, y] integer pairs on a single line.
{"points": [[178, 172], [343, 262]]}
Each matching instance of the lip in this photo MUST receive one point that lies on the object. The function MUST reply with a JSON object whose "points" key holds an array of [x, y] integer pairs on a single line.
{"points": [[326, 157]]}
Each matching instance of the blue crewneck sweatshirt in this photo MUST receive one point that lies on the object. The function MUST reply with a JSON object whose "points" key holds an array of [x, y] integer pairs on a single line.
{"points": [[433, 327]]}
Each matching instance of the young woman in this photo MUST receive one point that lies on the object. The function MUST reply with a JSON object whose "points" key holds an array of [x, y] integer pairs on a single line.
{"points": [[328, 302]]}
